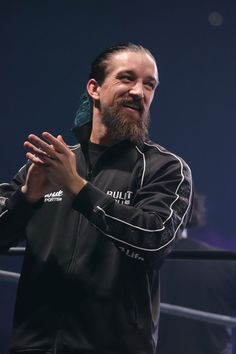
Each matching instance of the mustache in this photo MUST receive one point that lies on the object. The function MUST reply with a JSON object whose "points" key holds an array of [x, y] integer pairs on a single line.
{"points": [[134, 103]]}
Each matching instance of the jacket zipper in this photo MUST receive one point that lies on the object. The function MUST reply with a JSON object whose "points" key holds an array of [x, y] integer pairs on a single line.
{"points": [[88, 177], [75, 247], [56, 345]]}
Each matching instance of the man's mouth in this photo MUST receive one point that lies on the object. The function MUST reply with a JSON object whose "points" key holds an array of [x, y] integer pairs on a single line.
{"points": [[134, 106]]}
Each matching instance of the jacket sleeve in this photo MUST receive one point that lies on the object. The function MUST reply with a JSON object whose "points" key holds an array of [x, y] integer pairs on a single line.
{"points": [[146, 230], [15, 211]]}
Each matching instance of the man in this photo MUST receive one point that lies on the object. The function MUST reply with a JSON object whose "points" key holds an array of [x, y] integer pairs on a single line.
{"points": [[99, 220], [206, 285]]}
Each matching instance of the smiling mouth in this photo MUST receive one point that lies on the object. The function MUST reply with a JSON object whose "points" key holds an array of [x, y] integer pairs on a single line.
{"points": [[136, 108]]}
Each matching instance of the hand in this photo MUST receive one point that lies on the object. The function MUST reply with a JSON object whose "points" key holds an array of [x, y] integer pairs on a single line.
{"points": [[55, 163], [36, 184]]}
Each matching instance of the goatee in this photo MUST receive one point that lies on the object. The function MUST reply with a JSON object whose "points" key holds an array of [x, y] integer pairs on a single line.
{"points": [[124, 126]]}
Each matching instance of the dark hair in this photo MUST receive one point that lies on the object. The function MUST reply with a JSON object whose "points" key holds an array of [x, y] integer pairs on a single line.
{"points": [[98, 68]]}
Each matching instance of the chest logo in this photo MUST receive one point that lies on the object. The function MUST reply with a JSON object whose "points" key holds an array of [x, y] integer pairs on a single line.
{"points": [[53, 197], [121, 197]]}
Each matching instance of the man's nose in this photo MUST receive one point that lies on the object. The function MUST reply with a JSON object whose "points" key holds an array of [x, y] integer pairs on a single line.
{"points": [[137, 90]]}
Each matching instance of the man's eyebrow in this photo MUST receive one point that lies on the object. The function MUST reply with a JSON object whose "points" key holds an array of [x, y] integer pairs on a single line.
{"points": [[126, 72], [151, 78]]}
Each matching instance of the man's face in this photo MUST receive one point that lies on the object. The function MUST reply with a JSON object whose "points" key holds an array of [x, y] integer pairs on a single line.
{"points": [[126, 94]]}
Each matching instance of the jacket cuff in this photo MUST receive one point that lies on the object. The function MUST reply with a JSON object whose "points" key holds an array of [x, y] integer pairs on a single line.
{"points": [[20, 204], [89, 198]]}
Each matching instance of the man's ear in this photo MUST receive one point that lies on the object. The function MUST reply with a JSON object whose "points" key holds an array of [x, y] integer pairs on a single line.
{"points": [[93, 89]]}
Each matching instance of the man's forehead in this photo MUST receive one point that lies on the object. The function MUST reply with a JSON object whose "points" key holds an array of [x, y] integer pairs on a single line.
{"points": [[130, 60]]}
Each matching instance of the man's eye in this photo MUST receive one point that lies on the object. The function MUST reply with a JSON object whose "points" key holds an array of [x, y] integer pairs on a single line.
{"points": [[126, 78], [150, 85]]}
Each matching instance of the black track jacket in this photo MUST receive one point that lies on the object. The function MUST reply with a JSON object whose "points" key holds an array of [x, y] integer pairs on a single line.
{"points": [[90, 278]]}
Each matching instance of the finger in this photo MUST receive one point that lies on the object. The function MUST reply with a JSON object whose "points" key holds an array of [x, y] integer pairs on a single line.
{"points": [[35, 150], [35, 159], [39, 144], [58, 144], [60, 138]]}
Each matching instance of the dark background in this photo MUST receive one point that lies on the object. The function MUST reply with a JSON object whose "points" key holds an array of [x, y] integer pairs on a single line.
{"points": [[46, 48]]}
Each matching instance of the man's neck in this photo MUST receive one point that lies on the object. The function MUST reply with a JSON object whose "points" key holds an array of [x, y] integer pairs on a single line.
{"points": [[100, 134]]}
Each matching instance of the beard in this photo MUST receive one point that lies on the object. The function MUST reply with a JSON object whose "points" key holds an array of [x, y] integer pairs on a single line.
{"points": [[124, 126]]}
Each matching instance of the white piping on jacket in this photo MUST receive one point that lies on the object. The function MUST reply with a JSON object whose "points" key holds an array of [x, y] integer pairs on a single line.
{"points": [[4, 212], [127, 223], [171, 210], [73, 147], [7, 184], [144, 166], [4, 184]]}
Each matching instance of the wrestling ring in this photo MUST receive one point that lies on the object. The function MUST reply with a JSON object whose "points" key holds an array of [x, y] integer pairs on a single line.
{"points": [[165, 308]]}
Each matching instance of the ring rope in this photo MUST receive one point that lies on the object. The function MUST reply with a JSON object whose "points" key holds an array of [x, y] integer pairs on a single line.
{"points": [[165, 308], [175, 254], [198, 315], [11, 276]]}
